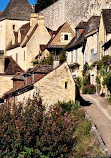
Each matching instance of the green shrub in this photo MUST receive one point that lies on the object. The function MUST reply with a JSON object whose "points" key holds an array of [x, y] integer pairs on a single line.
{"points": [[107, 81], [33, 133], [84, 90], [78, 82], [86, 80], [66, 106], [62, 56], [85, 69], [98, 80], [74, 66], [89, 89], [109, 100]]}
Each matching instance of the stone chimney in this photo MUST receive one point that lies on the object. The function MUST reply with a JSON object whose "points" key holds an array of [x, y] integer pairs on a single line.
{"points": [[56, 61], [2, 61], [34, 19], [41, 20]]}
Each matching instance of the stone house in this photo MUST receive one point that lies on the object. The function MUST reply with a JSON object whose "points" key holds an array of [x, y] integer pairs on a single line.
{"points": [[86, 47], [22, 32], [62, 37], [74, 47], [16, 14], [8, 68], [26, 43], [52, 85], [105, 31], [59, 39]]}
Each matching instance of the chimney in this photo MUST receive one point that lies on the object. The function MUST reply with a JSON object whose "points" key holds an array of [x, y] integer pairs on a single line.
{"points": [[2, 61], [56, 61], [41, 20], [33, 19]]}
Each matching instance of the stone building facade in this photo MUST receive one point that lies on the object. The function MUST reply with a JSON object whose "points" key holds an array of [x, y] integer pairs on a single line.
{"points": [[25, 51], [52, 86]]}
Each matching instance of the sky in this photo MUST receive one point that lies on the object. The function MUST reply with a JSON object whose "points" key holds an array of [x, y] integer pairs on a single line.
{"points": [[3, 3]]}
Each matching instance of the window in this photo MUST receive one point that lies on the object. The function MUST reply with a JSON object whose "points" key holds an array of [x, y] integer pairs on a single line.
{"points": [[24, 55], [13, 27], [17, 57], [65, 37], [76, 56], [71, 56], [92, 54], [66, 85], [93, 79], [74, 76]]}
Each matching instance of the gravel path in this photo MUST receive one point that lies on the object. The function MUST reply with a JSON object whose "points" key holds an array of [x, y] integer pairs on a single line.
{"points": [[100, 112]]}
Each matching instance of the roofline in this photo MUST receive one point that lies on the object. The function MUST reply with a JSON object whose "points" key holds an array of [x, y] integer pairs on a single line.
{"points": [[1, 19], [92, 32], [32, 83]]}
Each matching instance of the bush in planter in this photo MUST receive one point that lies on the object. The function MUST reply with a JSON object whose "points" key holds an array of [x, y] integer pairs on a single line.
{"points": [[84, 90], [89, 89]]}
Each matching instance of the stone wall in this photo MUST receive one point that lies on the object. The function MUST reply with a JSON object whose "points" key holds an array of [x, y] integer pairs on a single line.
{"points": [[51, 88], [5, 84], [73, 11], [6, 31]]}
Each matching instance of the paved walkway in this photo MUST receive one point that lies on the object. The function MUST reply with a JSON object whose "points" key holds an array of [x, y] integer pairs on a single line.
{"points": [[100, 112]]}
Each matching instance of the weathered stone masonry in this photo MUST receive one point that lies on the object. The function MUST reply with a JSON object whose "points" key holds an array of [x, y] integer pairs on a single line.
{"points": [[73, 11]]}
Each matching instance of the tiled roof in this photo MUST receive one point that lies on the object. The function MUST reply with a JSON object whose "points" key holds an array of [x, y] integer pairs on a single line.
{"points": [[57, 44], [17, 10], [28, 35], [11, 67], [81, 25], [92, 24], [106, 13], [8, 92], [23, 30], [42, 47], [41, 69], [51, 32], [18, 76], [55, 34]]}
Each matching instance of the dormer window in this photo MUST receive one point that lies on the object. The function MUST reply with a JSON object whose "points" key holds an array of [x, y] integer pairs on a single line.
{"points": [[65, 37]]}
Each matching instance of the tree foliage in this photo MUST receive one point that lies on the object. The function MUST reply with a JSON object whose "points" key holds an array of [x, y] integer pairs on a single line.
{"points": [[107, 81], [32, 132], [42, 4]]}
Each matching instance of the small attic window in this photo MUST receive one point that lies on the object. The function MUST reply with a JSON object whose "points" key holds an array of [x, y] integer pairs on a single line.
{"points": [[65, 37], [13, 27], [66, 85]]}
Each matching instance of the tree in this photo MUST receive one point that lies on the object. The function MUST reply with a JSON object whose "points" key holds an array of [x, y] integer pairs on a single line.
{"points": [[42, 4]]}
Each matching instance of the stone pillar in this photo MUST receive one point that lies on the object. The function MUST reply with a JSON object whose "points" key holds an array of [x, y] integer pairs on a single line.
{"points": [[56, 61], [41, 21], [2, 63], [34, 19]]}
